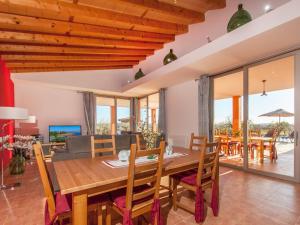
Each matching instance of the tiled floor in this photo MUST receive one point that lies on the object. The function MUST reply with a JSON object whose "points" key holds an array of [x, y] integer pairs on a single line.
{"points": [[246, 199]]}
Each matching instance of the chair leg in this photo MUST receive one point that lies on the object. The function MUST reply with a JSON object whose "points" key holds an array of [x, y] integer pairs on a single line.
{"points": [[100, 215], [174, 190], [108, 215], [170, 187]]}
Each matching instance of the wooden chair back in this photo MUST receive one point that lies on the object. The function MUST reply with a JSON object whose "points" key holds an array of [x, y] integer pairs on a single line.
{"points": [[140, 142], [208, 163], [103, 142], [143, 174], [45, 178], [197, 141]]}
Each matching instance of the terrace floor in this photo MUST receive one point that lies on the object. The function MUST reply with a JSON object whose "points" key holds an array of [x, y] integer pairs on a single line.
{"points": [[245, 199], [284, 165]]}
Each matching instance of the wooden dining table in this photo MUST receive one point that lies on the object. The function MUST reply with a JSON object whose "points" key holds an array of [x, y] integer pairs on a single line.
{"points": [[87, 177]]}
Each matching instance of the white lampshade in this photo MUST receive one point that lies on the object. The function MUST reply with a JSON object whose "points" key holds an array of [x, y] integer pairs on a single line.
{"points": [[13, 113], [30, 119]]}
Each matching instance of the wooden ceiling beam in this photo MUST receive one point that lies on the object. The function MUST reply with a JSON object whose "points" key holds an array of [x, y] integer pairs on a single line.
{"points": [[68, 64], [41, 49], [35, 25], [20, 37], [54, 69], [150, 9], [60, 58], [60, 10]]}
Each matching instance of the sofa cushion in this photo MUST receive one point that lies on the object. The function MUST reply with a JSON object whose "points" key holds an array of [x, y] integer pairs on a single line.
{"points": [[79, 144]]}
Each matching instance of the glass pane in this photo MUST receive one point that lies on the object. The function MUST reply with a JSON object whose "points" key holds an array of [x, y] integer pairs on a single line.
{"points": [[143, 110], [228, 117], [105, 111], [123, 115], [271, 117], [153, 110]]}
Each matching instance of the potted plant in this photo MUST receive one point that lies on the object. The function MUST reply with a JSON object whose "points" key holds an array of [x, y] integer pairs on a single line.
{"points": [[150, 136], [22, 149]]}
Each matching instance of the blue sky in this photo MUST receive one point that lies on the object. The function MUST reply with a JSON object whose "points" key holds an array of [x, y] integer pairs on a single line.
{"points": [[259, 105]]}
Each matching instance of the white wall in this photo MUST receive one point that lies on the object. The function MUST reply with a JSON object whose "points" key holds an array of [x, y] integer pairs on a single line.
{"points": [[181, 106], [50, 105]]}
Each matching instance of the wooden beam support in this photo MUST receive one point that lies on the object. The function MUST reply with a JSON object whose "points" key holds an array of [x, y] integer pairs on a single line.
{"points": [[59, 58], [63, 11], [23, 38], [36, 25], [5, 48], [33, 70], [150, 9], [68, 64]]}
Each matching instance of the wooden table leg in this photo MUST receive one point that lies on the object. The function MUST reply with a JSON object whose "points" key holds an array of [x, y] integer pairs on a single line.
{"points": [[261, 152], [79, 210]]}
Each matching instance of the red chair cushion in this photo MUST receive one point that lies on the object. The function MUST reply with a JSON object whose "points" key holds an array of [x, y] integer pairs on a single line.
{"points": [[119, 196], [63, 204], [189, 177], [179, 176]]}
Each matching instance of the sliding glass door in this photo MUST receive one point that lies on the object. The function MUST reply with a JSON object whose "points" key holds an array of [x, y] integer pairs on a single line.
{"points": [[271, 117], [228, 117], [263, 137]]}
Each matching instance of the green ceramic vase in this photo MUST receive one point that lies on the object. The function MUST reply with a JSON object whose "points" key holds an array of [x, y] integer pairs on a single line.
{"points": [[238, 19], [139, 74], [17, 164], [170, 57]]}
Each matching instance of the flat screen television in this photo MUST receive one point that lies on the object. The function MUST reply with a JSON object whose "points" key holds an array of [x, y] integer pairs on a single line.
{"points": [[59, 133]]}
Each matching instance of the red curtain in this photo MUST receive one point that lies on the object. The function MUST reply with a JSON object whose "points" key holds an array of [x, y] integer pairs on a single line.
{"points": [[6, 99]]}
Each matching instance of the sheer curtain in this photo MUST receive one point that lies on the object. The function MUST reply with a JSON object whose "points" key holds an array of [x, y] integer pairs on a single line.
{"points": [[162, 125], [204, 106], [89, 104]]}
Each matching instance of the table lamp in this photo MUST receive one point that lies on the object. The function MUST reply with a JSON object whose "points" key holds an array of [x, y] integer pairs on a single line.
{"points": [[9, 113]]}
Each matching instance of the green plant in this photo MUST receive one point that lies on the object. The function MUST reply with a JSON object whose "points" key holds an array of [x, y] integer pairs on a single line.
{"points": [[150, 136]]}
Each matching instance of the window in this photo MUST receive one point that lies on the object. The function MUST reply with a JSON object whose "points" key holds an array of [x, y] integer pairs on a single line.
{"points": [[112, 115], [149, 110], [105, 111], [123, 115]]}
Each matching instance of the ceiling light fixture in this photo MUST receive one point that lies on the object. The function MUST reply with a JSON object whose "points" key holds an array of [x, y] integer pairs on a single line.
{"points": [[264, 93], [267, 8]]}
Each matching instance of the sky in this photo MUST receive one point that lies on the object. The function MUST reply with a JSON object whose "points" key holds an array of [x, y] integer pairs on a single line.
{"points": [[258, 105]]}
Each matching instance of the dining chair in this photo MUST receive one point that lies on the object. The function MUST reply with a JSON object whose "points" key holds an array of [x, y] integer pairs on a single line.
{"points": [[58, 207], [196, 141], [141, 195], [199, 181], [226, 145], [271, 146], [103, 146]]}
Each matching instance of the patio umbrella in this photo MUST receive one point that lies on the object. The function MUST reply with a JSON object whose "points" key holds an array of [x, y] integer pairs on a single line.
{"points": [[278, 113]]}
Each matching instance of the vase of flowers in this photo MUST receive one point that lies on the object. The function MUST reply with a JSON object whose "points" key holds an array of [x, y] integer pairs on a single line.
{"points": [[150, 136], [22, 150]]}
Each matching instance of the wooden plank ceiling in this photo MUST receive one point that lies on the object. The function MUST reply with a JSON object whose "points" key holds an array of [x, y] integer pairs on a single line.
{"points": [[66, 35]]}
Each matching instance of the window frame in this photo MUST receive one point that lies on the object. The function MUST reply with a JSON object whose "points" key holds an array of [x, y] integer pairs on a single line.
{"points": [[115, 98]]}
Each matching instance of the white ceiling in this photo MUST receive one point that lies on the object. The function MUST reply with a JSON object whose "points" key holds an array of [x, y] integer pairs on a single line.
{"points": [[279, 75]]}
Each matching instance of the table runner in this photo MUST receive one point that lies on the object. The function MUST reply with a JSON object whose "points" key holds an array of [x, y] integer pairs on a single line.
{"points": [[119, 164]]}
